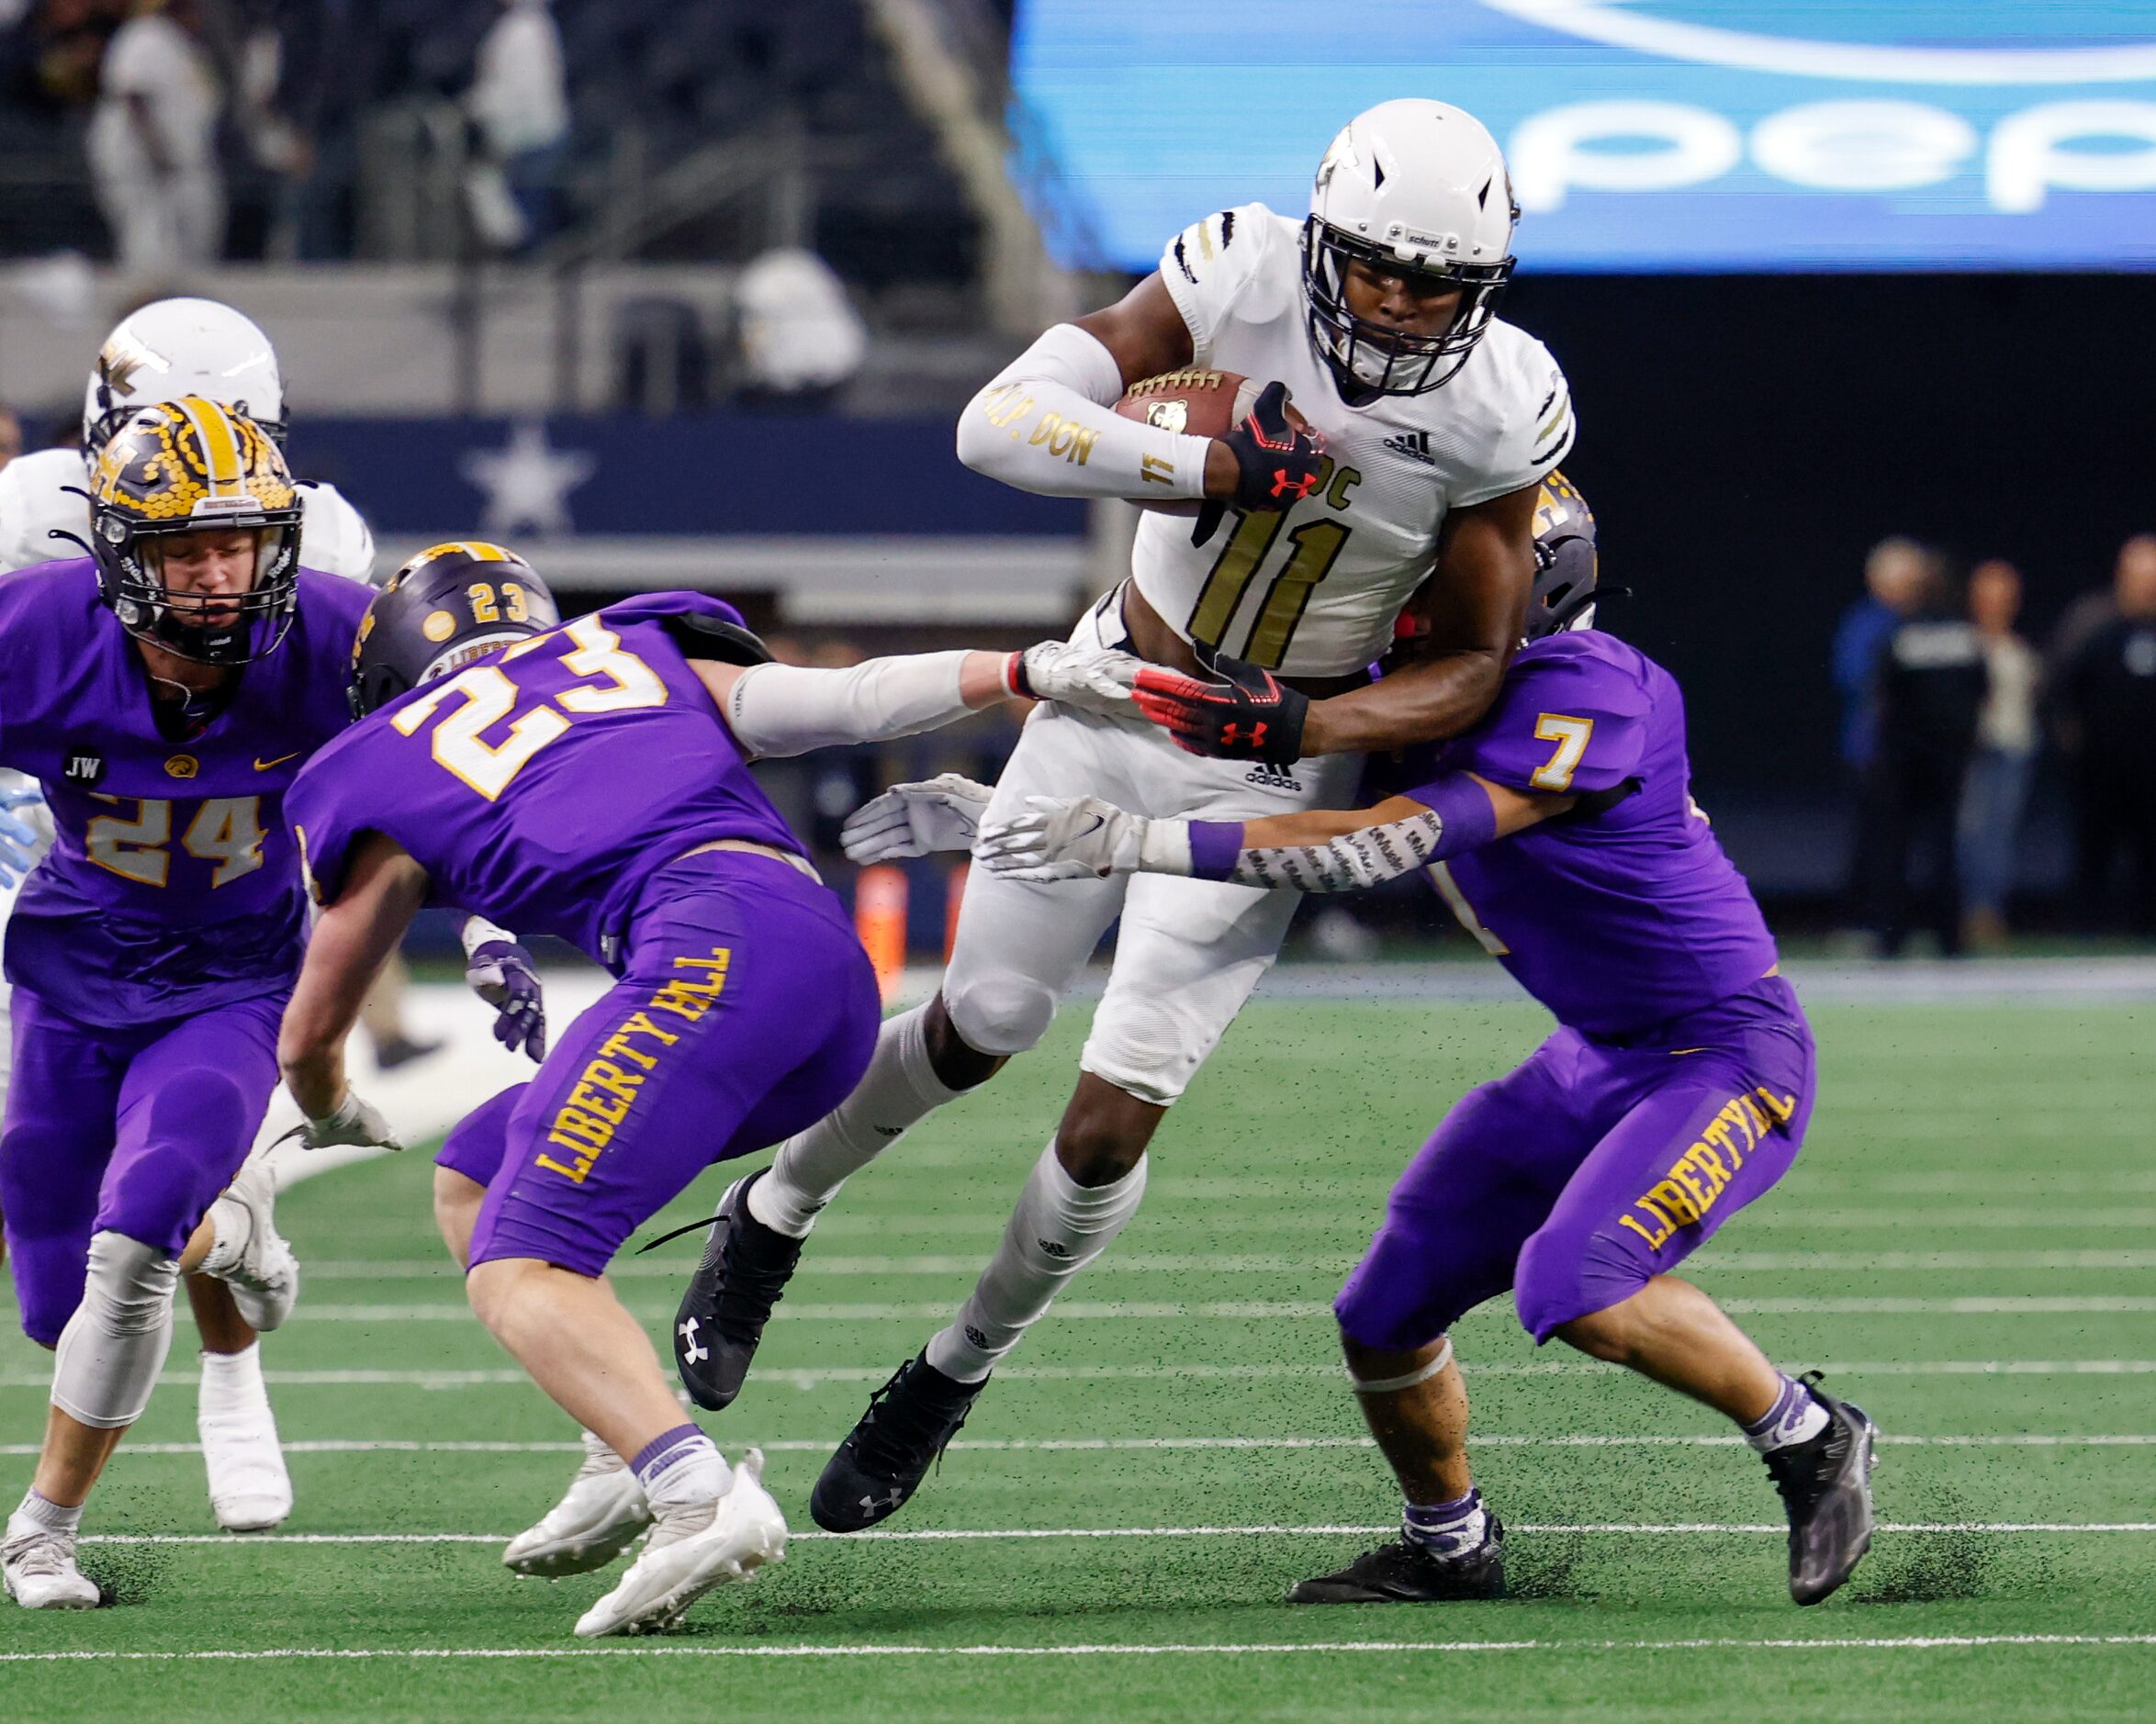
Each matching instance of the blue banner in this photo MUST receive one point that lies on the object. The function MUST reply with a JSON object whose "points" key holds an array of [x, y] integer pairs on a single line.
{"points": [[1641, 134], [721, 474]]}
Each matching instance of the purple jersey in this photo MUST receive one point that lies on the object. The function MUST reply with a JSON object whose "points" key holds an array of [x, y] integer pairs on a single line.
{"points": [[1624, 918], [172, 886], [541, 786]]}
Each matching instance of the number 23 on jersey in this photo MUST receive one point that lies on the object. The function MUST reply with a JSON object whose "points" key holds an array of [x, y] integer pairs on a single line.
{"points": [[486, 694]]}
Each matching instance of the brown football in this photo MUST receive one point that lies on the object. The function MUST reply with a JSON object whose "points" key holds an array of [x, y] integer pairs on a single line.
{"points": [[1194, 401]]}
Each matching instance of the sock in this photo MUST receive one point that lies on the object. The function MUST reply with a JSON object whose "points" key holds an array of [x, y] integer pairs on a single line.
{"points": [[39, 1514], [231, 1382], [1057, 1230], [231, 1230], [681, 1467], [1796, 1417], [1447, 1529], [899, 1089]]}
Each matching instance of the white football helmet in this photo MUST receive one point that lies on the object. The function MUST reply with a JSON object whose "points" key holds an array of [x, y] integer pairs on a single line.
{"points": [[1418, 186], [172, 348]]}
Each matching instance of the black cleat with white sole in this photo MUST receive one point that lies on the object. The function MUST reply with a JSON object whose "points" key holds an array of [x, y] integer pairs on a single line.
{"points": [[742, 1275], [886, 1457], [1405, 1573], [1826, 1484]]}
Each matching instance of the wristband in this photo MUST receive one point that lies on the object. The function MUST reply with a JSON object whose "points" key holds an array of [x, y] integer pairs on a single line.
{"points": [[1465, 810], [1215, 844]]}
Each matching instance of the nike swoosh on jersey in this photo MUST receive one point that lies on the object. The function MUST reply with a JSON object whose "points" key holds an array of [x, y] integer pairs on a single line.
{"points": [[264, 766]]}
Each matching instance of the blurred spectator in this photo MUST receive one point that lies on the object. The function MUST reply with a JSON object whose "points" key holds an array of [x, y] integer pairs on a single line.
{"points": [[800, 338], [1896, 575], [519, 103], [1997, 789], [153, 143], [10, 435], [1929, 683], [2104, 695]]}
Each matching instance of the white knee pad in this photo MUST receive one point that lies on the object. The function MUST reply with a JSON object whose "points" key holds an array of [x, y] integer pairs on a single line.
{"points": [[1000, 1012], [114, 1345]]}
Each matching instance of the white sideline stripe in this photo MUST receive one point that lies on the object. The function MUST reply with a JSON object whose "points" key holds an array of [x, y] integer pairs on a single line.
{"points": [[1268, 1310], [982, 1534], [1225, 1650], [1013, 1444], [816, 1376], [1282, 1263]]}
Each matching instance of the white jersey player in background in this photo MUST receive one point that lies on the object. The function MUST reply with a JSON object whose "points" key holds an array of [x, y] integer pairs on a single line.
{"points": [[166, 349], [1434, 426]]}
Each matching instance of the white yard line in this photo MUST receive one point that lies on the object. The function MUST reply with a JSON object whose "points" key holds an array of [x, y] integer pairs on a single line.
{"points": [[1282, 1263], [986, 1535], [816, 1376], [1270, 1310], [1232, 1648], [1014, 1445]]}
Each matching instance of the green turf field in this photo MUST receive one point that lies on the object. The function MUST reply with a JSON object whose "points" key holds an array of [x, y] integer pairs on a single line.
{"points": [[1968, 1247]]}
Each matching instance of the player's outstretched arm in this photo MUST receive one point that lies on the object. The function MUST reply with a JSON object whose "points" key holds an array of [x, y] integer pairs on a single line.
{"points": [[383, 890], [1318, 850], [780, 710]]}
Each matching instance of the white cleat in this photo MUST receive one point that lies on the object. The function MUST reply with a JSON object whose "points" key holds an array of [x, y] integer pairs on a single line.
{"points": [[598, 1519], [38, 1569], [250, 1489], [692, 1551], [249, 1255]]}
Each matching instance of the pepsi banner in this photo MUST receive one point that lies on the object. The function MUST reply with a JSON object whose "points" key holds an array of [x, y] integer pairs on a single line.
{"points": [[1641, 134]]}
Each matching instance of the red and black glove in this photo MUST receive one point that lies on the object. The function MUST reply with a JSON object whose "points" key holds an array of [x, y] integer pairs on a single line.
{"points": [[1277, 461], [1240, 713]]}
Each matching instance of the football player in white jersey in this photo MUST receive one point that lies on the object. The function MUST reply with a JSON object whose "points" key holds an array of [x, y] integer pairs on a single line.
{"points": [[1431, 426], [166, 349]]}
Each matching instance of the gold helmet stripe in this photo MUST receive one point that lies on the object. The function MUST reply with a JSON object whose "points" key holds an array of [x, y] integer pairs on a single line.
{"points": [[218, 439], [481, 552]]}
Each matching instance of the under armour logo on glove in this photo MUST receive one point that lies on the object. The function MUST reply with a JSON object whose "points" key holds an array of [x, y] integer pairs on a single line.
{"points": [[691, 1353], [1241, 712], [1277, 461]]}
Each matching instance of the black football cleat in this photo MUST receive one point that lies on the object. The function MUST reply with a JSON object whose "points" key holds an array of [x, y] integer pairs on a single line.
{"points": [[742, 1275], [1826, 1484], [886, 1457], [1404, 1573]]}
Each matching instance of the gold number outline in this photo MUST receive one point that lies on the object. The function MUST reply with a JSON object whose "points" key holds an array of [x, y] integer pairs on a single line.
{"points": [[1571, 735], [489, 696], [111, 843]]}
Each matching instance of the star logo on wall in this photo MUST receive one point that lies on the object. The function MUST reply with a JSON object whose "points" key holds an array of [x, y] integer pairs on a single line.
{"points": [[527, 485]]}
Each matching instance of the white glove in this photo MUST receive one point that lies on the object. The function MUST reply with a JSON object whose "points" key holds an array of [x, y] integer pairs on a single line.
{"points": [[354, 1122], [1072, 838], [941, 813], [1093, 679]]}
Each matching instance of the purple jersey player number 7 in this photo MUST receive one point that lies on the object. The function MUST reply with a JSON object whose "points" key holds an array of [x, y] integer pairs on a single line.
{"points": [[1675, 1091]]}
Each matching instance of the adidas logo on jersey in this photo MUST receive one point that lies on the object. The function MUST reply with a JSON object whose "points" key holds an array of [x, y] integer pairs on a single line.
{"points": [[1273, 779], [1414, 445]]}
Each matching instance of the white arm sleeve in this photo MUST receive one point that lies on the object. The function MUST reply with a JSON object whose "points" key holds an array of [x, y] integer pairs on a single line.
{"points": [[778, 710], [1048, 424], [1354, 862]]}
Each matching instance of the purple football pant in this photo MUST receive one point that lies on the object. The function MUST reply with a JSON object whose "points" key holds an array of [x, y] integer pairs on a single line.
{"points": [[131, 1130], [1590, 1170], [747, 1013]]}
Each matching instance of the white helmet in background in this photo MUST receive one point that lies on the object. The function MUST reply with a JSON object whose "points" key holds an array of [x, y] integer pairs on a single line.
{"points": [[1417, 186], [172, 348]]}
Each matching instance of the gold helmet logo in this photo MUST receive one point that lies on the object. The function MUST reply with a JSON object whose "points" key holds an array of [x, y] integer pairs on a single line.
{"points": [[192, 460]]}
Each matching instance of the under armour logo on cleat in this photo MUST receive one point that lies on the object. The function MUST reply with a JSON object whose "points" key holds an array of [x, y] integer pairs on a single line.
{"points": [[871, 1503], [691, 1354]]}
